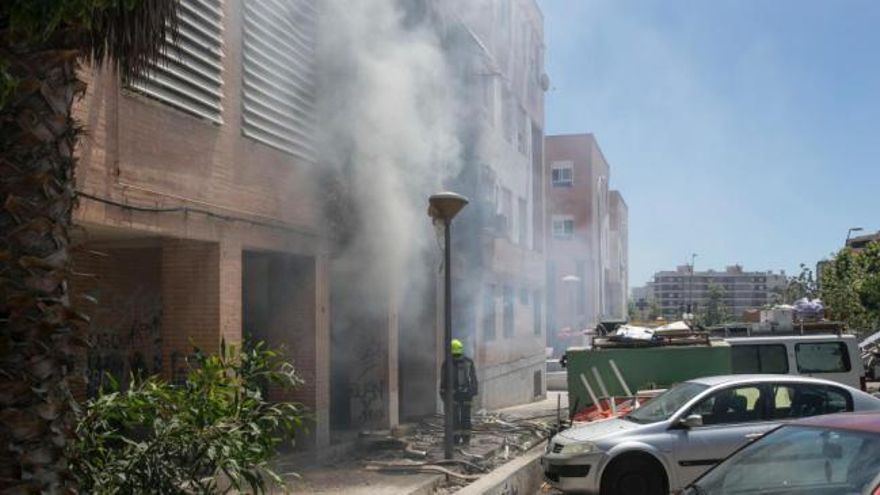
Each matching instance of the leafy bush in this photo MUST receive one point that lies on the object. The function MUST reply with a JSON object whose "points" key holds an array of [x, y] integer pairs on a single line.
{"points": [[214, 433]]}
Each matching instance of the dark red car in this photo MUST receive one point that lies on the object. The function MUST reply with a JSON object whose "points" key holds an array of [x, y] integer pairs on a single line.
{"points": [[838, 454]]}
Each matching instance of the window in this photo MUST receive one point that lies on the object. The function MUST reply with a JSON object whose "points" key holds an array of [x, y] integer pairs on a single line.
{"points": [[508, 311], [278, 76], [489, 313], [822, 357], [524, 296], [189, 74], [563, 226], [507, 114], [507, 210], [523, 222], [802, 400], [536, 308], [522, 132], [731, 405], [759, 359], [800, 459], [562, 173]]}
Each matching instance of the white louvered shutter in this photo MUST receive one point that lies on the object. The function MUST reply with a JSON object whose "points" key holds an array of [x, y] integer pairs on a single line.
{"points": [[189, 76], [279, 75]]}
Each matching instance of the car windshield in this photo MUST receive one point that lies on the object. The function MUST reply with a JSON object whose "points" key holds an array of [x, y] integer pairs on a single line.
{"points": [[664, 405], [798, 460]]}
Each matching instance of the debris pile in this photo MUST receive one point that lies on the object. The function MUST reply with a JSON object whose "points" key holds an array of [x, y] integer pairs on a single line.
{"points": [[418, 448]]}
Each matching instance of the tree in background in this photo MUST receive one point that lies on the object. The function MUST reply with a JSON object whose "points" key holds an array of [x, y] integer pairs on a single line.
{"points": [[849, 286], [654, 311], [803, 285], [42, 44], [715, 310]]}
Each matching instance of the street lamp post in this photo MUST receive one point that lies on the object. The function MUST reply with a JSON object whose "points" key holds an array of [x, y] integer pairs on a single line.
{"points": [[571, 281], [443, 207], [849, 234]]}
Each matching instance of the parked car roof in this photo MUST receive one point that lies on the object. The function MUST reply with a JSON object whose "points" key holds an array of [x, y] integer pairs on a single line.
{"points": [[858, 421], [732, 379]]}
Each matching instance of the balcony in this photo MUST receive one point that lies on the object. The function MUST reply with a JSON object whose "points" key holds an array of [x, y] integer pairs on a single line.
{"points": [[513, 260]]}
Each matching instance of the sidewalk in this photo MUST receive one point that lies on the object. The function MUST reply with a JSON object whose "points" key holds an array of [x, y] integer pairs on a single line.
{"points": [[489, 447]]}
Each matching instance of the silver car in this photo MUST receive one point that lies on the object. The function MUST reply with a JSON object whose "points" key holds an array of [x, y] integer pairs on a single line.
{"points": [[664, 445]]}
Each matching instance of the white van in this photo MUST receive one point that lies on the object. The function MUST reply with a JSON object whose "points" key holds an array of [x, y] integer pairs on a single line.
{"points": [[832, 357]]}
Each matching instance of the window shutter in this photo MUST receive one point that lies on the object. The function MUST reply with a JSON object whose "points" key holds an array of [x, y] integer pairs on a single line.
{"points": [[189, 75], [279, 74]]}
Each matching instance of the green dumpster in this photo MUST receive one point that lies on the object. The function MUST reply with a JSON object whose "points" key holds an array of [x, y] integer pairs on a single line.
{"points": [[641, 368]]}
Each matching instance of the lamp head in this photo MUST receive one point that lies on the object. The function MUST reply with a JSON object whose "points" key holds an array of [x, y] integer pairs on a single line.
{"points": [[445, 205]]}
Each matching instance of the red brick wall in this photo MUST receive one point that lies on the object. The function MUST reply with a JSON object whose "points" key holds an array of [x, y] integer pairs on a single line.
{"points": [[191, 297], [125, 325]]}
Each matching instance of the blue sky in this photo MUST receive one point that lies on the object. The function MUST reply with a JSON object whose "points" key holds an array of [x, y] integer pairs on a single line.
{"points": [[742, 130]]}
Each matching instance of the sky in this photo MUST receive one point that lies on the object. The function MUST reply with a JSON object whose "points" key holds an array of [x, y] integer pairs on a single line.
{"points": [[745, 131]]}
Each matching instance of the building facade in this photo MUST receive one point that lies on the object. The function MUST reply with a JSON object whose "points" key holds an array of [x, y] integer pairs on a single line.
{"points": [[199, 217], [683, 290], [616, 279], [587, 239], [860, 242], [203, 215], [497, 46]]}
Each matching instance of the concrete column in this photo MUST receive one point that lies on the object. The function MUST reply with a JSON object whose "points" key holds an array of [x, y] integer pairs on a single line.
{"points": [[201, 299], [322, 351], [230, 291], [392, 396], [190, 302]]}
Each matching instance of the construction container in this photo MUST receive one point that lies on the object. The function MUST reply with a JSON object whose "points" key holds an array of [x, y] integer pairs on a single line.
{"points": [[639, 368]]}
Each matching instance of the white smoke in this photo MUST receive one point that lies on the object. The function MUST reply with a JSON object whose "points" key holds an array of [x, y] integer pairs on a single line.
{"points": [[388, 123]]}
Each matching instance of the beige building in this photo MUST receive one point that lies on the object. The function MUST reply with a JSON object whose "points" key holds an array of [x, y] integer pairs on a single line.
{"points": [[680, 291], [587, 238], [500, 286]]}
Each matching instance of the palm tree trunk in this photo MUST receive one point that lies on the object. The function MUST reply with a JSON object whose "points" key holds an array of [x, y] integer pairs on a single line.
{"points": [[39, 333]]}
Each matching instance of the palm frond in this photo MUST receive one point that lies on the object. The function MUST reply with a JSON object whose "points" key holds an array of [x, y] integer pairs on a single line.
{"points": [[128, 35]]}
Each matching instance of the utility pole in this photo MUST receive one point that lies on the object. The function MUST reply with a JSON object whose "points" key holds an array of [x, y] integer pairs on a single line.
{"points": [[690, 306]]}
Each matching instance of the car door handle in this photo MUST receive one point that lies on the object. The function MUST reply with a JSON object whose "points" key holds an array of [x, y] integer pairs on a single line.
{"points": [[754, 436]]}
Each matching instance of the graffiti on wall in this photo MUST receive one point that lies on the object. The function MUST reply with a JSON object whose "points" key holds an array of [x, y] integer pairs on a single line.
{"points": [[367, 388], [125, 338]]}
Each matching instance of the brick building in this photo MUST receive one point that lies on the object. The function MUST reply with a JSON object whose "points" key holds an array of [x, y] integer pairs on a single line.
{"points": [[587, 240], [203, 214], [199, 213]]}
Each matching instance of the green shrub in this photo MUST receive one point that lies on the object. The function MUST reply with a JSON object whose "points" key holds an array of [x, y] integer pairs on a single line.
{"points": [[214, 433]]}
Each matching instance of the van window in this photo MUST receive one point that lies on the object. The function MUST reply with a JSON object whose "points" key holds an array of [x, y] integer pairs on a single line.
{"points": [[822, 357], [770, 358]]}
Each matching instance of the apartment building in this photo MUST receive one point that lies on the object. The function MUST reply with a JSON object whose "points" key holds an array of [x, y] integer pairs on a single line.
{"points": [[497, 46], [682, 290], [587, 238], [203, 216], [198, 215]]}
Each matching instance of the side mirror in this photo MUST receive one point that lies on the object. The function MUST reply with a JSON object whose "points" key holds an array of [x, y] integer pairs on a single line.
{"points": [[692, 421]]}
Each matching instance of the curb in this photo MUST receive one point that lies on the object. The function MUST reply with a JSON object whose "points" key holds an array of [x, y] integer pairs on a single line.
{"points": [[427, 487], [521, 475]]}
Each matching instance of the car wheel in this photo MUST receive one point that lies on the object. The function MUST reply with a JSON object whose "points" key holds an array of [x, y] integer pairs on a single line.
{"points": [[633, 475]]}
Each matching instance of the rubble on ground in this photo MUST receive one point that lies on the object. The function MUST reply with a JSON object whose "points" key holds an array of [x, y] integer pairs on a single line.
{"points": [[495, 439]]}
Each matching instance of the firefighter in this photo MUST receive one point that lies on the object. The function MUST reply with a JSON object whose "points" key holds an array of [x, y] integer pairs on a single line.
{"points": [[463, 391]]}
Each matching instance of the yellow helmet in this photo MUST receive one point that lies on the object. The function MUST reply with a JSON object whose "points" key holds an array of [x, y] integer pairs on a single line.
{"points": [[457, 347]]}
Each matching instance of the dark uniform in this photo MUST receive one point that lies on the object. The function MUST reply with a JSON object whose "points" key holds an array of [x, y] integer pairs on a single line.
{"points": [[465, 388]]}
